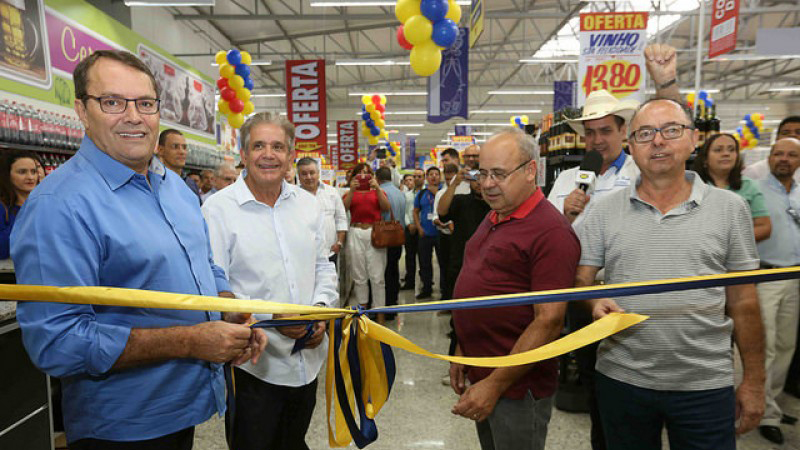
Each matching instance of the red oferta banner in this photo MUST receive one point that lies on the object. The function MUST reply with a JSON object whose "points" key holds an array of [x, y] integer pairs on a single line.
{"points": [[724, 23], [347, 136], [305, 102]]}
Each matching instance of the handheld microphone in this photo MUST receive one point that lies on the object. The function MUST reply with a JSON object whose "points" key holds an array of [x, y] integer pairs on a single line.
{"points": [[588, 171]]}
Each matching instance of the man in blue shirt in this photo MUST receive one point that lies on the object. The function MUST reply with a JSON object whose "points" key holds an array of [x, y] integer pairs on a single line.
{"points": [[398, 201], [428, 234], [115, 216], [780, 300]]}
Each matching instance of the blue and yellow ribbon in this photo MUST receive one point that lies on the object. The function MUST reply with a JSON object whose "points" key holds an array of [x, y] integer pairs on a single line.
{"points": [[361, 370]]}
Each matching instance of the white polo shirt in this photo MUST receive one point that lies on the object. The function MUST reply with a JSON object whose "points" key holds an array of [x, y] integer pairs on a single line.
{"points": [[620, 175]]}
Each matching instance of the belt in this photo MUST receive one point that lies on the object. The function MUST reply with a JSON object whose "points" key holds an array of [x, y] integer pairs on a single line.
{"points": [[770, 266], [363, 226]]}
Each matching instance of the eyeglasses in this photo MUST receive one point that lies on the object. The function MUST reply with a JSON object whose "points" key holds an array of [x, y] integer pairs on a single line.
{"points": [[669, 132], [117, 105], [496, 176], [794, 215]]}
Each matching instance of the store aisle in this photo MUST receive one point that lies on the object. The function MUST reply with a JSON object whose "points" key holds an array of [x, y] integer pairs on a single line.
{"points": [[417, 416]]}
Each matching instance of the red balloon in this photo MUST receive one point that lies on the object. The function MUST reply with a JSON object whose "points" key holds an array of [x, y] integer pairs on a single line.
{"points": [[376, 99], [227, 94], [401, 39], [380, 107], [222, 83], [383, 115], [236, 105]]}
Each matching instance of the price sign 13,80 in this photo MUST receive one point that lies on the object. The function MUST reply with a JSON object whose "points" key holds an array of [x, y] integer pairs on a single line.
{"points": [[620, 78]]}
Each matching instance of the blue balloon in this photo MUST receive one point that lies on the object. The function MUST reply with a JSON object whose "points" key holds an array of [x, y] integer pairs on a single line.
{"points": [[375, 131], [248, 83], [434, 10], [703, 95], [445, 33], [234, 57], [757, 134], [243, 70], [391, 151], [747, 117], [365, 115]]}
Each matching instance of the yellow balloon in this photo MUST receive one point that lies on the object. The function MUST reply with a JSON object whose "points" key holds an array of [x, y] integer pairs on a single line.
{"points": [[236, 82], [366, 99], [373, 140], [384, 134], [525, 120], [370, 108], [365, 130], [418, 30], [243, 94], [246, 58], [223, 106], [453, 11], [236, 120], [226, 70], [426, 59], [376, 116], [383, 99], [513, 120], [405, 9], [221, 57], [249, 107], [380, 123]]}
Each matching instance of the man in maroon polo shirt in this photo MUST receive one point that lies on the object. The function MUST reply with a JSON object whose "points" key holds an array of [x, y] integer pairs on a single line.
{"points": [[523, 245]]}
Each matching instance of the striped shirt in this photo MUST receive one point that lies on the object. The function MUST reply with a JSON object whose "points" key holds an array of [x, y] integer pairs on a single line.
{"points": [[686, 343]]}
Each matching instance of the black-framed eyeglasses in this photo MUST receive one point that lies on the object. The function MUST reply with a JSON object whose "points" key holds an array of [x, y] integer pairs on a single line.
{"points": [[669, 132], [794, 215], [498, 177], [110, 104]]}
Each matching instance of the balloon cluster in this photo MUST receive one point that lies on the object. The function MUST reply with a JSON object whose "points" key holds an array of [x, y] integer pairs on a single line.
{"points": [[519, 121], [750, 134], [394, 147], [235, 86], [704, 100], [428, 27], [373, 111]]}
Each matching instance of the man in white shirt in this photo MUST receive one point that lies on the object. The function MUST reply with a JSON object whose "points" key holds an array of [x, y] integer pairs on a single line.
{"points": [[412, 235], [331, 203], [269, 237], [789, 127]]}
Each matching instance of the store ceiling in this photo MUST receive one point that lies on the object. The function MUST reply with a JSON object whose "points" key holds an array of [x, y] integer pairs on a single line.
{"points": [[276, 30]]}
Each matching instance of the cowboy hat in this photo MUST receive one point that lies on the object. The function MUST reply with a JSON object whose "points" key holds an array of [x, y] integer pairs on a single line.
{"points": [[600, 104]]}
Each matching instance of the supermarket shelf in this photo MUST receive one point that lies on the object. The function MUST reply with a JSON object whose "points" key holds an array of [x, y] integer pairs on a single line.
{"points": [[36, 148]]}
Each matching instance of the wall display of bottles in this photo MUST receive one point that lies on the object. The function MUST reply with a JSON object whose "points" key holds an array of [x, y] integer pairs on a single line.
{"points": [[707, 124], [203, 156], [558, 138], [24, 124]]}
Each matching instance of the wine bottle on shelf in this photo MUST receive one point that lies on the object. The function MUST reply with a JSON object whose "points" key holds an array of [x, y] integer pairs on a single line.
{"points": [[699, 125], [714, 123], [4, 133]]}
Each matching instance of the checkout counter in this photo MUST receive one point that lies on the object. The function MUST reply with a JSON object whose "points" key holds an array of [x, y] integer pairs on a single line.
{"points": [[26, 418]]}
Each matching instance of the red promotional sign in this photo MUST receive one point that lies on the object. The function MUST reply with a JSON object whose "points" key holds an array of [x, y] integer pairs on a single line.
{"points": [[333, 151], [347, 132], [724, 24], [305, 101]]}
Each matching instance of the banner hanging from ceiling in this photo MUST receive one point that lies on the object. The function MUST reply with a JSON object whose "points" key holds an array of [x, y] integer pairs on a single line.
{"points": [[476, 16], [448, 88], [564, 93], [347, 144], [612, 55], [305, 104], [724, 24]]}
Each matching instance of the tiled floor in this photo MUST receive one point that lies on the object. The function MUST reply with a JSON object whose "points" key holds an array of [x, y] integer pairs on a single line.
{"points": [[417, 416]]}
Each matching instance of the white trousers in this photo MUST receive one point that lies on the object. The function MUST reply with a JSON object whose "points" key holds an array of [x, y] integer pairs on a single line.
{"points": [[780, 306], [367, 263]]}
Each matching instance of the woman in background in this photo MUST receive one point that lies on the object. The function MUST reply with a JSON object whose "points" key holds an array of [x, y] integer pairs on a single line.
{"points": [[719, 163], [19, 177]]}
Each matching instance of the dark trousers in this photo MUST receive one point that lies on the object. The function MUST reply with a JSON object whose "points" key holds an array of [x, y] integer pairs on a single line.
{"points": [[633, 417], [412, 242], [268, 416], [444, 263], [579, 316], [181, 440], [392, 274], [427, 245]]}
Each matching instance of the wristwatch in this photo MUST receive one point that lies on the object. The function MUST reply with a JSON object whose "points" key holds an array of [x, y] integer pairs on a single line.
{"points": [[667, 84]]}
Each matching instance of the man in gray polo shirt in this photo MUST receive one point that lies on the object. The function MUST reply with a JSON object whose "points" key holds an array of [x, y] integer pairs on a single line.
{"points": [[675, 369]]}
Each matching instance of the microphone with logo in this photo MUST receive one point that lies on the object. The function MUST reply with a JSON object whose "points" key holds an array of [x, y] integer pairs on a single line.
{"points": [[587, 173]]}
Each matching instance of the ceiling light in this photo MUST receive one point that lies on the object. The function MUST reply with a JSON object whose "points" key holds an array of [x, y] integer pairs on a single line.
{"points": [[750, 57], [785, 89], [405, 125], [550, 92], [401, 113], [689, 91], [474, 133], [267, 95], [407, 93], [169, 3], [505, 111], [412, 134], [252, 63], [548, 60], [372, 62]]}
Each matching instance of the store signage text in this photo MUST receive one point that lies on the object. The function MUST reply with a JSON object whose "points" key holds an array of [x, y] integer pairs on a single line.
{"points": [[347, 135], [305, 98], [71, 43]]}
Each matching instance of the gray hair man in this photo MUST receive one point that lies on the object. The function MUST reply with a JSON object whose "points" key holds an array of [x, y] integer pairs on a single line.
{"points": [[331, 203], [224, 176], [675, 369], [269, 236]]}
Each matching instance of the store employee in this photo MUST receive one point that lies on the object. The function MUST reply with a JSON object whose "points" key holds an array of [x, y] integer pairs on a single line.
{"points": [[115, 216]]}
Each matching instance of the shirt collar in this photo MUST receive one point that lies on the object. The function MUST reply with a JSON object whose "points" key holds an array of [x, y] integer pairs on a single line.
{"points": [[775, 183], [522, 210], [243, 194], [112, 171], [696, 196], [620, 161]]}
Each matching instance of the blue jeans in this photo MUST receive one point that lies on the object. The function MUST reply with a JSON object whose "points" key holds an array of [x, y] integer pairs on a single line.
{"points": [[633, 417]]}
